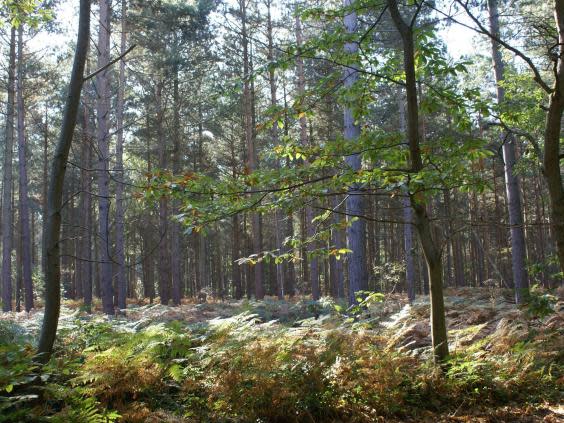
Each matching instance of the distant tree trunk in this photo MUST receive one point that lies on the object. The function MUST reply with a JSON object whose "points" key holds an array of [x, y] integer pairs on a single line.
{"points": [[278, 215], [51, 229], [251, 148], [103, 135], [421, 219], [336, 266], [7, 181], [515, 209], [85, 207], [356, 232], [119, 174], [164, 253], [175, 252], [313, 271], [407, 225], [26, 247], [289, 226], [45, 167], [18, 248]]}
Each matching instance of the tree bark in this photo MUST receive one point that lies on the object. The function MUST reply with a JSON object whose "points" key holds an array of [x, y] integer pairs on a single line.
{"points": [[26, 247], [515, 209], [407, 226], [119, 174], [85, 207], [278, 215], [51, 229], [7, 221], [103, 136], [251, 147], [164, 252], [175, 251], [356, 231], [421, 219], [552, 137]]}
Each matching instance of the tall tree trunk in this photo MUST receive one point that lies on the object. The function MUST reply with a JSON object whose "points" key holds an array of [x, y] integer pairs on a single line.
{"points": [[407, 225], [164, 253], [26, 247], [552, 136], [278, 215], [515, 209], [175, 252], [52, 227], [119, 174], [251, 148], [311, 273], [103, 136], [421, 219], [7, 181], [356, 231], [85, 207]]}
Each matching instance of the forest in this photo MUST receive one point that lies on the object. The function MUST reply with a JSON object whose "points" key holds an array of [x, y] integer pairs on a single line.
{"points": [[282, 211]]}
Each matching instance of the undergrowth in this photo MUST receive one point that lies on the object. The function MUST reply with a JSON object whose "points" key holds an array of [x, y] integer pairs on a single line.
{"points": [[240, 369]]}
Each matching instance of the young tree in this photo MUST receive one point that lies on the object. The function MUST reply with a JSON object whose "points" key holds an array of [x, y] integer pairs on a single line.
{"points": [[422, 221], [52, 226]]}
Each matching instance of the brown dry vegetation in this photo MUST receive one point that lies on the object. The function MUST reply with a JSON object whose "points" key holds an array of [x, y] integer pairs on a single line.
{"points": [[300, 361]]}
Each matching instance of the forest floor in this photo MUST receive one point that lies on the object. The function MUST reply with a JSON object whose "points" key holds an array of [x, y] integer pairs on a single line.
{"points": [[290, 361]]}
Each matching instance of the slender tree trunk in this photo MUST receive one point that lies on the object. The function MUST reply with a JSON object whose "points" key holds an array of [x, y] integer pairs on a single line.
{"points": [[312, 271], [421, 219], [103, 136], [7, 181], [176, 257], [251, 148], [515, 209], [85, 208], [336, 266], [18, 248], [164, 253], [278, 215], [356, 232], [407, 226], [119, 174], [26, 247], [51, 231]]}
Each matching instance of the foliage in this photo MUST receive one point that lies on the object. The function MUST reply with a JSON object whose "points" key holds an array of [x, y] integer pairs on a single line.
{"points": [[540, 303], [268, 361]]}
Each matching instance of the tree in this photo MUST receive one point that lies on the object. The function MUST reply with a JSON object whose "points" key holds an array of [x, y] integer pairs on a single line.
{"points": [[23, 181], [421, 218], [52, 226], [518, 250], [356, 231], [550, 153], [103, 175], [119, 174], [7, 181]]}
